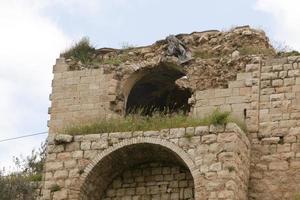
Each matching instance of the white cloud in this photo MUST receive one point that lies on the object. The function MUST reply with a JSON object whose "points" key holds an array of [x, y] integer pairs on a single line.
{"points": [[89, 7], [287, 18], [29, 44]]}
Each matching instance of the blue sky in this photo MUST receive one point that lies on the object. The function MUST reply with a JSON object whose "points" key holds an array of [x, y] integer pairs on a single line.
{"points": [[34, 32], [141, 22]]}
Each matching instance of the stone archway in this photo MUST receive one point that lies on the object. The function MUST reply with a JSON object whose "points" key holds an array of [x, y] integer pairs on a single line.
{"points": [[107, 175], [154, 89]]}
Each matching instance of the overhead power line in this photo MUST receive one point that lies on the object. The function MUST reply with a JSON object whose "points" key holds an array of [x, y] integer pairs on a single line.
{"points": [[24, 136]]}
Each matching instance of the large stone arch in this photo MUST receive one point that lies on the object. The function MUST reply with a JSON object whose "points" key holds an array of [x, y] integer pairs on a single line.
{"points": [[154, 88], [113, 160]]}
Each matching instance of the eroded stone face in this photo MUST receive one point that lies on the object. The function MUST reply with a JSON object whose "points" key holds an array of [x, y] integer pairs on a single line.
{"points": [[103, 89], [152, 181], [165, 164], [265, 94]]}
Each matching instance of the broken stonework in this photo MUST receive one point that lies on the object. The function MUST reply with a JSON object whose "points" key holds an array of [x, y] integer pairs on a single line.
{"points": [[178, 49], [144, 165], [236, 71]]}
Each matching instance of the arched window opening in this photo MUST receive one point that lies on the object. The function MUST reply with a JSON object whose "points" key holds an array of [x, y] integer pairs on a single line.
{"points": [[157, 91]]}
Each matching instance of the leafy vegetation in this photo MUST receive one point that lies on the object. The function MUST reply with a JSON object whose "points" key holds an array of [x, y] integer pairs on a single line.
{"points": [[81, 51], [20, 183], [284, 50], [288, 53], [158, 121], [216, 118]]}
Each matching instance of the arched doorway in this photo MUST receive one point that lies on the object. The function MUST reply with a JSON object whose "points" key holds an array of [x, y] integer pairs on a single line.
{"points": [[156, 91], [140, 170]]}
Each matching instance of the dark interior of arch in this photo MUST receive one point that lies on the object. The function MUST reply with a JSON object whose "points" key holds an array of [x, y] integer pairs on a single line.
{"points": [[123, 159], [156, 91]]}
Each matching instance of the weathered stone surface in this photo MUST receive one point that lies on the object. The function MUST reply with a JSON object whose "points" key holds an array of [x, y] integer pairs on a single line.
{"points": [[164, 175], [263, 94], [61, 139]]}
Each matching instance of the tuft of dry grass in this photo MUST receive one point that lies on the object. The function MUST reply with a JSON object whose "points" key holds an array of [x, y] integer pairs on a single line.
{"points": [[81, 51], [157, 121]]}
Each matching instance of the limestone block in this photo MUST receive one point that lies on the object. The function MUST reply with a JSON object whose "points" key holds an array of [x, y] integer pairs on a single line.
{"points": [[295, 164], [279, 165], [226, 194], [276, 97], [74, 173], [289, 81], [55, 148], [90, 154], [190, 131], [201, 130], [252, 67], [77, 154], [277, 82], [282, 74], [271, 140], [120, 135], [51, 157], [266, 68], [188, 193], [48, 175], [269, 75], [227, 137], [294, 73], [217, 101], [60, 195], [277, 68], [237, 99], [216, 167], [54, 165], [70, 164], [99, 145], [86, 145], [265, 84], [63, 155], [151, 133], [287, 66], [243, 76], [60, 174], [223, 92], [177, 132], [216, 129], [236, 84], [208, 139]]}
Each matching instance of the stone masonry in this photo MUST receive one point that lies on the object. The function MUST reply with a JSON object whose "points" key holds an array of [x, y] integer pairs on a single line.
{"points": [[218, 162], [267, 97], [152, 180], [182, 163]]}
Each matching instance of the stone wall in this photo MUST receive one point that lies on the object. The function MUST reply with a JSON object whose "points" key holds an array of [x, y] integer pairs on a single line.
{"points": [[79, 96], [152, 181], [264, 94], [85, 92], [275, 147], [84, 166], [267, 98]]}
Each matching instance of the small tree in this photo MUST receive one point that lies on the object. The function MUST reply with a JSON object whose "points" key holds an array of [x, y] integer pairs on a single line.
{"points": [[20, 185]]}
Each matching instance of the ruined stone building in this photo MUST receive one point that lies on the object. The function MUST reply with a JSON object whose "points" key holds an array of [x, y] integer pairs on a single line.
{"points": [[236, 71]]}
